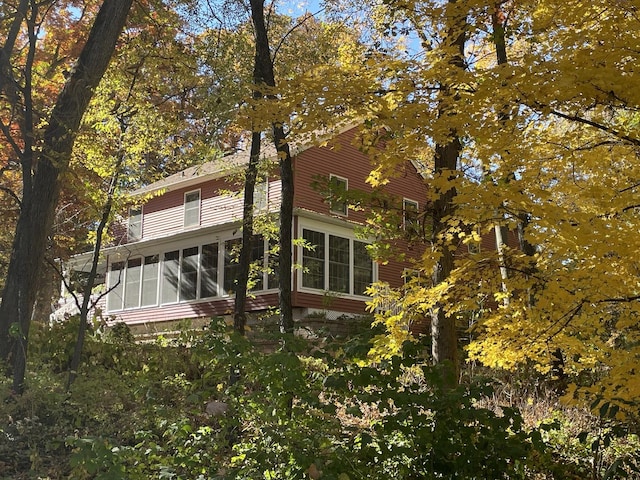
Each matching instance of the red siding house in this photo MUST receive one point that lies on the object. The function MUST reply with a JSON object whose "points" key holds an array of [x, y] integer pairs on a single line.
{"points": [[177, 260]]}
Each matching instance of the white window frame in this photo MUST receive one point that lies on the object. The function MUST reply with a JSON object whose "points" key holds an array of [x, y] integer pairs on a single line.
{"points": [[189, 209], [116, 285], [345, 210]]}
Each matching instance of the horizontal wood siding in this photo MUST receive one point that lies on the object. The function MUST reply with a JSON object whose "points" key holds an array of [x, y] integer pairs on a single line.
{"points": [[164, 215], [345, 160]]}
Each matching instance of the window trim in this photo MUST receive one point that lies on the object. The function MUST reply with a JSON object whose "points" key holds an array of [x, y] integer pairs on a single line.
{"points": [[345, 209], [186, 210]]}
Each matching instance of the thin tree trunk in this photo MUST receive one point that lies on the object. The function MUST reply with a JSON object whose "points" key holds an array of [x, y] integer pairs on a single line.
{"points": [[88, 287], [264, 72], [240, 303], [39, 201], [498, 22], [95, 261]]}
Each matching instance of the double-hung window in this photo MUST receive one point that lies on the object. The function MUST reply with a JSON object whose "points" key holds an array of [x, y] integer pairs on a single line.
{"points": [[335, 263], [192, 208], [261, 197], [134, 227]]}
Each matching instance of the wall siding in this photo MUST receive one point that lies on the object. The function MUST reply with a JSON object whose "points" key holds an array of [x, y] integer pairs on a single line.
{"points": [[164, 215], [179, 311], [345, 160]]}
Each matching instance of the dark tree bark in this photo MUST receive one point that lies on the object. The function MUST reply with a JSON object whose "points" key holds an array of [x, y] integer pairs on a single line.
{"points": [[86, 305], [239, 308], [87, 289], [444, 346], [264, 73], [41, 190]]}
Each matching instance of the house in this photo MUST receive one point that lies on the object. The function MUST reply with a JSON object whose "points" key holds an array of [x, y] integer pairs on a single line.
{"points": [[177, 259]]}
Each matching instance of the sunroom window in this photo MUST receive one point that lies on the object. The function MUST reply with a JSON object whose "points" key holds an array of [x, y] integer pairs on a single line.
{"points": [[335, 263], [186, 275]]}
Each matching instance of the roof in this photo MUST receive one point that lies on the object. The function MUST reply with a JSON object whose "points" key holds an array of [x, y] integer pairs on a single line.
{"points": [[217, 168], [225, 165]]}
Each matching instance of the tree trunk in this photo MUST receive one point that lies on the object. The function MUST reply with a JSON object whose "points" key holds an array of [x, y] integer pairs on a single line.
{"points": [[240, 304], [88, 287], [41, 195], [444, 346], [264, 72]]}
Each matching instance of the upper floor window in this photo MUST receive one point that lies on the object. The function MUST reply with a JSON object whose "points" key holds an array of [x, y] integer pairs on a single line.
{"points": [[410, 216], [474, 244], [261, 197], [192, 208], [134, 228], [337, 189]]}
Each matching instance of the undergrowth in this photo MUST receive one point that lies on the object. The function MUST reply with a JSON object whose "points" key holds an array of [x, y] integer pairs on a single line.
{"points": [[319, 411]]}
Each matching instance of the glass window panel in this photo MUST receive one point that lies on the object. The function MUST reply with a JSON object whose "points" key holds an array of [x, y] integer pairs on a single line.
{"points": [[209, 271], [115, 286], [337, 192], [260, 197], [132, 283], [338, 264], [231, 267], [192, 208], [134, 230], [150, 280], [362, 268], [189, 274], [257, 263], [170, 277], [313, 260], [272, 265]]}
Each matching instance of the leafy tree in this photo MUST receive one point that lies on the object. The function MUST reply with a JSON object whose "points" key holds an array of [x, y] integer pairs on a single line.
{"points": [[42, 156], [559, 145]]}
